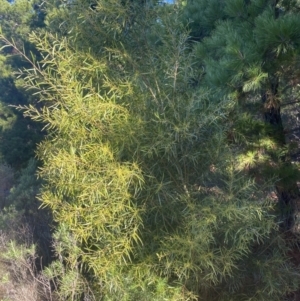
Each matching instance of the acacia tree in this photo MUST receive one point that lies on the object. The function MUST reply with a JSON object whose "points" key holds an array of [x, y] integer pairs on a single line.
{"points": [[137, 167]]}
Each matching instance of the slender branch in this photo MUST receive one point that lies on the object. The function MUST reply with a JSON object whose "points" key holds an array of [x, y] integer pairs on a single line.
{"points": [[21, 53], [290, 103]]}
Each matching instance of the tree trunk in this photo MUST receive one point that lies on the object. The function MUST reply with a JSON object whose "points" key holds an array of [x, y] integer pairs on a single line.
{"points": [[287, 193]]}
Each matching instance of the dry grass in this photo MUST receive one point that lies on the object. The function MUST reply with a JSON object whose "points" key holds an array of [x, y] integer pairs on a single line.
{"points": [[19, 278]]}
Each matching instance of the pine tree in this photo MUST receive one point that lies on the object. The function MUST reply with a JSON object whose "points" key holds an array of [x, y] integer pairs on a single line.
{"points": [[18, 138], [252, 54]]}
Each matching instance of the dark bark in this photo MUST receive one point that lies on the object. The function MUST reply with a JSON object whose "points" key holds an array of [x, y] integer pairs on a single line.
{"points": [[287, 192], [287, 197], [271, 105], [272, 115]]}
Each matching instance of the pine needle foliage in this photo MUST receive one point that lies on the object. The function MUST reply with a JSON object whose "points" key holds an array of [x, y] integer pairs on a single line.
{"points": [[250, 53]]}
